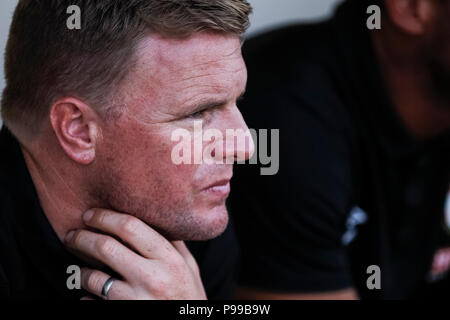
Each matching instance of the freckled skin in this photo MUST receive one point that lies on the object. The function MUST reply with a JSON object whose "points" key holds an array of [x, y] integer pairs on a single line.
{"points": [[133, 166]]}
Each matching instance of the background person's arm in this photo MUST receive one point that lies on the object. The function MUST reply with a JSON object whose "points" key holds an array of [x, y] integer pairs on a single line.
{"points": [[291, 225]]}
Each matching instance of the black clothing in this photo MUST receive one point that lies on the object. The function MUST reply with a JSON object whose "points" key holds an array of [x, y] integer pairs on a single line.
{"points": [[346, 159], [33, 261]]}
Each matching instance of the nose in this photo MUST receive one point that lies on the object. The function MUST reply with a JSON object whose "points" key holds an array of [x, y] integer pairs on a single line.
{"points": [[238, 145]]}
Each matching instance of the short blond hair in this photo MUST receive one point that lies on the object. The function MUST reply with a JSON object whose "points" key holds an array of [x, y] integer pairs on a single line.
{"points": [[46, 61]]}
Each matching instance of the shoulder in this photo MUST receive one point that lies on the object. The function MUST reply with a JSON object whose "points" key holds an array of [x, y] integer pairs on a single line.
{"points": [[5, 239], [8, 243], [294, 73]]}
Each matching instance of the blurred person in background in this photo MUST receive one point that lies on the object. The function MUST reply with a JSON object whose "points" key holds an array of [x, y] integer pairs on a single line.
{"points": [[364, 119]]}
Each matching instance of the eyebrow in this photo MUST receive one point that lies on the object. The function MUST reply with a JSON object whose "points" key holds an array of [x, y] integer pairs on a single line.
{"points": [[213, 104]]}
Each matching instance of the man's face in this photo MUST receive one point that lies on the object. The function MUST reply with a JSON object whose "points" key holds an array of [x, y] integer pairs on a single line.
{"points": [[162, 94]]}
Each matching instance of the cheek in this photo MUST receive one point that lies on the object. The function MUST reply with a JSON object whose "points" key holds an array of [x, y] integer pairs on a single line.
{"points": [[150, 163], [141, 157]]}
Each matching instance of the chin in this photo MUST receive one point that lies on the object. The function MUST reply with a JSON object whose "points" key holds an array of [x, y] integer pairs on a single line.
{"points": [[201, 225], [214, 224]]}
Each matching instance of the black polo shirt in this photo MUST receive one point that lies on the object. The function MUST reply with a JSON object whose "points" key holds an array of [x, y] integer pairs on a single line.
{"points": [[354, 188], [33, 261]]}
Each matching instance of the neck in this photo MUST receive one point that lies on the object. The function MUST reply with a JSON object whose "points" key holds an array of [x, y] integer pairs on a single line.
{"points": [[409, 81], [59, 195]]}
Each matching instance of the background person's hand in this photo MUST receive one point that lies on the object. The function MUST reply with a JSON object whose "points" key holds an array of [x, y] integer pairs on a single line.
{"points": [[151, 266]]}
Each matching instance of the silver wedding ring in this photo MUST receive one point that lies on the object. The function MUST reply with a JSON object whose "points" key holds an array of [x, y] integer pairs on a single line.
{"points": [[107, 286]]}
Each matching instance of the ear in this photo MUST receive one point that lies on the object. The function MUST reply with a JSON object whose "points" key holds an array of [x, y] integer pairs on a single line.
{"points": [[77, 129], [411, 16]]}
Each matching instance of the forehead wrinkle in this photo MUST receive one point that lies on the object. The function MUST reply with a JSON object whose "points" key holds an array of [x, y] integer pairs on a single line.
{"points": [[212, 74], [216, 61], [217, 80], [217, 90], [213, 86], [161, 52], [235, 55], [207, 61], [219, 71], [199, 76], [195, 97], [162, 64]]}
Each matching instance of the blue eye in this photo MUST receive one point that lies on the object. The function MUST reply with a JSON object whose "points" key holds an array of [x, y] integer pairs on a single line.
{"points": [[196, 115]]}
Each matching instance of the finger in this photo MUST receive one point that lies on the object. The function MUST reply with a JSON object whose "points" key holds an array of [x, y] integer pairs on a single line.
{"points": [[181, 247], [135, 233], [93, 281], [108, 251], [183, 250], [87, 298]]}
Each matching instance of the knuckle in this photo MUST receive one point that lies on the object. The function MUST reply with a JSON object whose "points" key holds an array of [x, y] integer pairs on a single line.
{"points": [[147, 280], [75, 241], [129, 226], [94, 282], [160, 289], [169, 283], [177, 268], [106, 246]]}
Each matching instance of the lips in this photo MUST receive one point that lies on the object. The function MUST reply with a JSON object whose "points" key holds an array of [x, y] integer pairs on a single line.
{"points": [[220, 183], [219, 188]]}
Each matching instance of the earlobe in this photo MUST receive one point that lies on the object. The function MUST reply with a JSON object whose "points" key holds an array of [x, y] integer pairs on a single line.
{"points": [[76, 128]]}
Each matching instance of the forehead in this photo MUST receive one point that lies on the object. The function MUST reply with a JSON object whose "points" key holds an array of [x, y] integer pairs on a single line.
{"points": [[205, 63], [197, 51]]}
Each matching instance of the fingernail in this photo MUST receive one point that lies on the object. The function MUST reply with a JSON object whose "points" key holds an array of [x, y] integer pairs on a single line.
{"points": [[88, 215], [69, 236]]}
